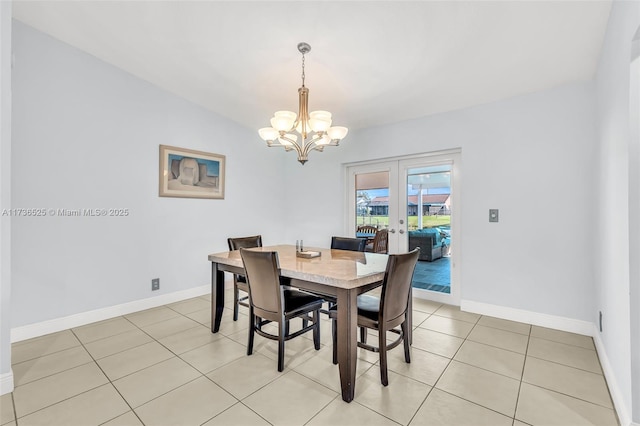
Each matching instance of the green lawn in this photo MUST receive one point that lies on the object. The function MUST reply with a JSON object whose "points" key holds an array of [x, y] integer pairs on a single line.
{"points": [[427, 221]]}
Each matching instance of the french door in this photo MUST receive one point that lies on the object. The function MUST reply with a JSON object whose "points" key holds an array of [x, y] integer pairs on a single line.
{"points": [[416, 200]]}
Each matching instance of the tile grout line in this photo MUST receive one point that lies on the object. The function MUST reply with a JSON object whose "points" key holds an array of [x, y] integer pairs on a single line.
{"points": [[432, 387], [458, 396], [109, 380], [476, 404], [52, 374], [572, 367], [564, 343], [565, 365], [241, 401], [520, 382], [238, 402], [15, 413], [95, 362], [441, 374], [286, 371], [485, 369], [524, 365], [201, 374], [529, 336], [572, 397], [58, 402]]}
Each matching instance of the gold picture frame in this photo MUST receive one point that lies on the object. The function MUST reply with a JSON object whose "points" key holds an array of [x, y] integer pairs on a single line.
{"points": [[187, 173]]}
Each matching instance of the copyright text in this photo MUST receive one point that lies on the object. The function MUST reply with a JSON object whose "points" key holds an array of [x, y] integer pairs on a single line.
{"points": [[88, 212]]}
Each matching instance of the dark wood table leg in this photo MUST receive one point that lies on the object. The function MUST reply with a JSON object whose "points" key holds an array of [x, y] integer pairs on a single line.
{"points": [[217, 297], [347, 342], [410, 317]]}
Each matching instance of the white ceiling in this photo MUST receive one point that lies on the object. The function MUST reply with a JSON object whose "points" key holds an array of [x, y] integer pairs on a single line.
{"points": [[371, 62]]}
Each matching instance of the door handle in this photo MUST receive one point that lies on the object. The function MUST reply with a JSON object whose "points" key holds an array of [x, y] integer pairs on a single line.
{"points": [[401, 231], [393, 231]]}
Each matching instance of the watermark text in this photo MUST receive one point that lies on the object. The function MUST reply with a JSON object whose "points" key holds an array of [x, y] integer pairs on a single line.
{"points": [[60, 212]]}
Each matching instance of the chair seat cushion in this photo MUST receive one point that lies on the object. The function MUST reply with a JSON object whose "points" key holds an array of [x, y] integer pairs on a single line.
{"points": [[369, 306], [296, 299]]}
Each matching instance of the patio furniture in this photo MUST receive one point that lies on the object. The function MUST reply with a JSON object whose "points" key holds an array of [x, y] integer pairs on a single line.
{"points": [[369, 232], [430, 242], [367, 229], [380, 242]]}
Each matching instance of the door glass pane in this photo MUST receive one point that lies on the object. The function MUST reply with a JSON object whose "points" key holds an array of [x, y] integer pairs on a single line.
{"points": [[372, 199], [429, 225]]}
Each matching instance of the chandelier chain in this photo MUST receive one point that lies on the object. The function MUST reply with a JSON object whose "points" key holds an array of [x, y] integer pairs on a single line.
{"points": [[303, 70]]}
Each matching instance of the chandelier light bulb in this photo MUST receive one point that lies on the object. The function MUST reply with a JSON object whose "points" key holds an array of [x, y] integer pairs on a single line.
{"points": [[286, 115], [320, 121], [321, 115], [337, 132], [324, 140], [283, 120], [319, 125], [268, 133]]}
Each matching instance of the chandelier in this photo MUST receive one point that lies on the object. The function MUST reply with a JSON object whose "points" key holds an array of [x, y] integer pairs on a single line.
{"points": [[314, 128]]}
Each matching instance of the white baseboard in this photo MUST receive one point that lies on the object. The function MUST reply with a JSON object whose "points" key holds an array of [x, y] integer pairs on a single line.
{"points": [[585, 328], [623, 414], [542, 320], [52, 326], [6, 382]]}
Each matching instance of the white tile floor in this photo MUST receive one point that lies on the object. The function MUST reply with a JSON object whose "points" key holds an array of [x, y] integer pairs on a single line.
{"points": [[164, 367]]}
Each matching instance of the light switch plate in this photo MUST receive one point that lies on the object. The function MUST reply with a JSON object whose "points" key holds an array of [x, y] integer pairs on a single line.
{"points": [[493, 215]]}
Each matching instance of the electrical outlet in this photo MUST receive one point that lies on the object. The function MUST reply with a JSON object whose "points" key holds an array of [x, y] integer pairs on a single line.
{"points": [[493, 215], [155, 284]]}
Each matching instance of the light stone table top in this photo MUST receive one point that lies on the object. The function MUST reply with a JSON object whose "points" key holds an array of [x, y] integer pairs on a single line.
{"points": [[338, 268]]}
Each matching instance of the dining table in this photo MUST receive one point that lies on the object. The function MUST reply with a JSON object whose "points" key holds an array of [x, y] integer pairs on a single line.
{"points": [[340, 274]]}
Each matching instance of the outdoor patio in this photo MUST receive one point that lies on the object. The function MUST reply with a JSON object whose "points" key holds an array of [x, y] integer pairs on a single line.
{"points": [[434, 276]]}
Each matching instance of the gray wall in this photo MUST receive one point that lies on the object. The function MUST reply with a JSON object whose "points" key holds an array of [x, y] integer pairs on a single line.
{"points": [[634, 224], [86, 135], [529, 156], [618, 192], [6, 381]]}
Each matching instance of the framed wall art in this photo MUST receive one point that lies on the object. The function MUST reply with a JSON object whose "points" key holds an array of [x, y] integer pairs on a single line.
{"points": [[188, 173]]}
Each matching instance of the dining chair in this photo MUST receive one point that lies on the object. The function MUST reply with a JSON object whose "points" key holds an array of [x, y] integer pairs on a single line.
{"points": [[367, 229], [346, 243], [386, 312], [381, 241], [239, 281], [270, 301]]}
